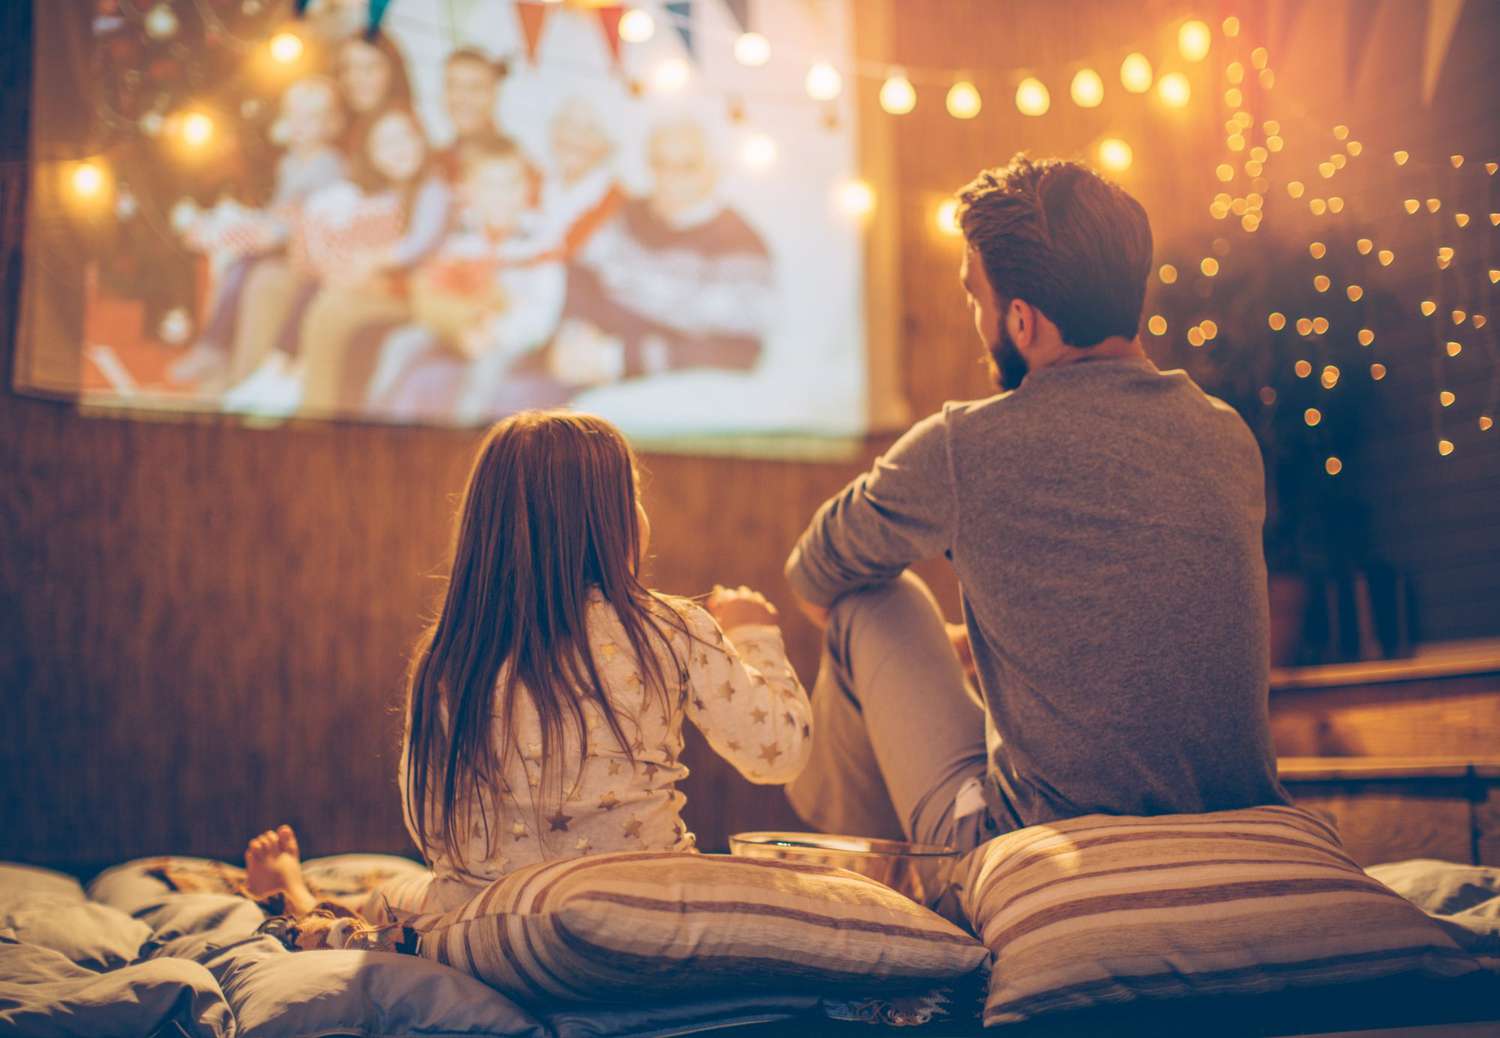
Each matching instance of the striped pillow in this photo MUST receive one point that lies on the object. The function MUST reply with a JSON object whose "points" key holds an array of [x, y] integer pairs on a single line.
{"points": [[1106, 909], [608, 925]]}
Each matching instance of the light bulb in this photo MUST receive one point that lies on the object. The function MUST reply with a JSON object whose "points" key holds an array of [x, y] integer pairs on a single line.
{"points": [[758, 151], [1174, 90], [87, 180], [752, 49], [1135, 73], [1088, 88], [947, 218], [671, 75], [286, 47], [1193, 40], [897, 96], [856, 197], [1032, 97], [824, 82], [1115, 155], [196, 129], [963, 100], [636, 26]]}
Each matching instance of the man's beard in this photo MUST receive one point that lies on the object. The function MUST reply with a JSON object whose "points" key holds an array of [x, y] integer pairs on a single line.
{"points": [[1007, 366]]}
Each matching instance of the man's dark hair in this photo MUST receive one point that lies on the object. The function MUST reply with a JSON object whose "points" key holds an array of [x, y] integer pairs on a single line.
{"points": [[499, 68], [1064, 239]]}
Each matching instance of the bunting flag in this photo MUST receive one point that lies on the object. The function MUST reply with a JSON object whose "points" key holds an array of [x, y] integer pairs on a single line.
{"points": [[1362, 16], [1442, 21], [739, 10], [609, 18], [533, 16], [681, 13], [377, 15]]}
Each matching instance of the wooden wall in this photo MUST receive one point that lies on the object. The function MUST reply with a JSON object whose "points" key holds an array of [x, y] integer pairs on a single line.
{"points": [[203, 626]]}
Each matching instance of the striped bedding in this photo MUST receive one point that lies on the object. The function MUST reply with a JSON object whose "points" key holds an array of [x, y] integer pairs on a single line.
{"points": [[1104, 909], [640, 924]]}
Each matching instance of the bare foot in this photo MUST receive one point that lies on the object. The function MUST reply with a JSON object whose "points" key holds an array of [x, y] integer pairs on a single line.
{"points": [[273, 864]]}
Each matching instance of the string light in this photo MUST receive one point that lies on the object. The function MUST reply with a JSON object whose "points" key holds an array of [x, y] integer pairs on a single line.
{"points": [[1457, 160], [1194, 40], [1485, 423], [1302, 369], [1304, 326], [1321, 282], [1317, 249], [1446, 398], [1330, 377], [1167, 273], [1231, 26], [897, 96], [1259, 57], [1277, 320], [1032, 97], [1377, 371], [963, 100], [1135, 73], [1434, 204], [1295, 189], [1115, 155], [1209, 266], [87, 181], [1195, 336], [1174, 90], [1462, 219], [1312, 416], [1478, 321], [1333, 466], [1210, 330], [1087, 89], [1366, 336], [1400, 157], [1454, 348], [1317, 206], [1341, 132], [823, 82], [1386, 257], [1363, 246], [636, 26], [759, 151], [1335, 204], [195, 129], [856, 197], [1445, 447], [752, 50], [670, 76], [286, 47], [1224, 172], [1235, 73], [1157, 325], [947, 218], [1355, 293], [1320, 325]]}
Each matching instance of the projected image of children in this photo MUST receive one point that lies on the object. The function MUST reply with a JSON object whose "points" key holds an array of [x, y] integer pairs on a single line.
{"points": [[482, 208]]}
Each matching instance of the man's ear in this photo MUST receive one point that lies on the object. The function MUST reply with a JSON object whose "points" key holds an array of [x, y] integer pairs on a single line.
{"points": [[1020, 318]]}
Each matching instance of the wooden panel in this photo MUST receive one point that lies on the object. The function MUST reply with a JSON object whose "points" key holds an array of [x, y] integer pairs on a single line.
{"points": [[1456, 716], [1393, 821]]}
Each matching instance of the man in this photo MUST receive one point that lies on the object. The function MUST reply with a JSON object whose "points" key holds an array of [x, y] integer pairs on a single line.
{"points": [[471, 92], [1104, 520]]}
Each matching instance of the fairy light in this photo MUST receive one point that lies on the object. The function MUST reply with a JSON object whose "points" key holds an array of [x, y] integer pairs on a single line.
{"points": [[1209, 267], [1335, 204], [752, 50], [1457, 160], [1377, 371], [1087, 89], [758, 151], [1304, 326], [1302, 369], [1428, 308], [1454, 347], [947, 218], [1295, 188], [1032, 97], [1462, 219], [1411, 205], [286, 48], [636, 26], [1458, 316], [87, 181], [1445, 447], [1195, 336], [1174, 90], [1386, 257], [1326, 170], [1267, 78], [196, 129], [1321, 282], [856, 198], [1235, 73], [1366, 336], [1259, 57], [1194, 40], [1312, 416], [963, 100], [1330, 376], [1320, 325], [1400, 157], [1485, 423], [1355, 293], [1333, 466], [1167, 273], [1210, 330], [1157, 325], [897, 95], [823, 82], [1135, 73], [1277, 320], [1478, 321], [1274, 143], [1267, 395], [1434, 204], [1231, 26], [1225, 172], [670, 76], [1115, 154], [1235, 141], [1317, 206], [1446, 398], [1363, 246], [1317, 249]]}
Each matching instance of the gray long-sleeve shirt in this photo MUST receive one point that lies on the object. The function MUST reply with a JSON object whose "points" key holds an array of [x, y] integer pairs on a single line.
{"points": [[1104, 521]]}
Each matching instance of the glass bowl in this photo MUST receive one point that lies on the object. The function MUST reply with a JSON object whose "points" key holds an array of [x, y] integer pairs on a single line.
{"points": [[913, 869]]}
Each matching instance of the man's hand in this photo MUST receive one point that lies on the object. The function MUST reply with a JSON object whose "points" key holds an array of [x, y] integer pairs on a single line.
{"points": [[739, 607], [958, 637]]}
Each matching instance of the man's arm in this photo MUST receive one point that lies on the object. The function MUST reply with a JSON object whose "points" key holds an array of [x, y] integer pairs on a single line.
{"points": [[884, 520]]}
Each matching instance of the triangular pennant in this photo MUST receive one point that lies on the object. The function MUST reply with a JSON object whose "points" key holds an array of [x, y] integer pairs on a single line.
{"points": [[533, 17], [1442, 20], [681, 13], [1361, 15], [739, 10], [377, 15], [609, 19]]}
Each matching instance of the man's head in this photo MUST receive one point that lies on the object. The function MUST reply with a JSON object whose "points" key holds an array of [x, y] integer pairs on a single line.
{"points": [[684, 171], [1056, 263]]}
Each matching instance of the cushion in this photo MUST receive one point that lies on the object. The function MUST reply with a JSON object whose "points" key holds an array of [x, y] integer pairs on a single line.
{"points": [[1105, 909], [89, 934], [1463, 899], [19, 882], [642, 924]]}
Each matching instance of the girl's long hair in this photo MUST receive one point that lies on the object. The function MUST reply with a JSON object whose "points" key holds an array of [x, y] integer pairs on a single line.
{"points": [[548, 516]]}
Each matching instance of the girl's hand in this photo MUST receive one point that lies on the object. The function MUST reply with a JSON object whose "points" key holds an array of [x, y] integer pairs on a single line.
{"points": [[739, 607]]}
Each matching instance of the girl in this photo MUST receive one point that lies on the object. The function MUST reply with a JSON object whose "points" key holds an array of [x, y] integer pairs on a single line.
{"points": [[359, 238], [545, 710]]}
